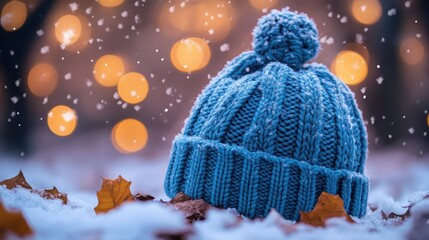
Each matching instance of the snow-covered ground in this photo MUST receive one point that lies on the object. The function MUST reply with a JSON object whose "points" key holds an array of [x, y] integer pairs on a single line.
{"points": [[395, 177]]}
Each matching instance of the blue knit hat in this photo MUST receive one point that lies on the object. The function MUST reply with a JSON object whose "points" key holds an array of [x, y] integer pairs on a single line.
{"points": [[272, 133]]}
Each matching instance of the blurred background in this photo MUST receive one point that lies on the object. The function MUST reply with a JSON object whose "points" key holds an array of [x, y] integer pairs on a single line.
{"points": [[119, 77]]}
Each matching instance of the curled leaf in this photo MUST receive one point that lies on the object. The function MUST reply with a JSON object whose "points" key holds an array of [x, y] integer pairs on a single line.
{"points": [[180, 197], [193, 209], [13, 222], [18, 180], [327, 206], [143, 197], [54, 194], [113, 193]]}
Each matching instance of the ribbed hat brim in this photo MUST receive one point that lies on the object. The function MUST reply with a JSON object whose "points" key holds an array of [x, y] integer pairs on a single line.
{"points": [[255, 182]]}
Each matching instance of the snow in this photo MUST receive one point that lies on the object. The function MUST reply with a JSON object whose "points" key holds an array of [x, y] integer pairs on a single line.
{"points": [[67, 37], [39, 32], [6, 18], [327, 40], [397, 180], [44, 50], [407, 4], [68, 76], [73, 6], [391, 12], [224, 47], [77, 219], [14, 99]]}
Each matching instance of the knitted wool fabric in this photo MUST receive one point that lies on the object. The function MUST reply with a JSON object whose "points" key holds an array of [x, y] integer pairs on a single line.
{"points": [[271, 133]]}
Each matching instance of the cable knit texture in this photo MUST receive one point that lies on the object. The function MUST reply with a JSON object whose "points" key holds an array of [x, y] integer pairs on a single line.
{"points": [[272, 133]]}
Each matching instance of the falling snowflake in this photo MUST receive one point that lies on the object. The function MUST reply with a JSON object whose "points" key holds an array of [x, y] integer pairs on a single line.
{"points": [[39, 32], [327, 40], [14, 99], [224, 47], [68, 76], [44, 50], [391, 12], [73, 6]]}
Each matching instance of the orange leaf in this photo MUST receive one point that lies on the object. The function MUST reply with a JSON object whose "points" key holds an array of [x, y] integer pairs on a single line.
{"points": [[13, 222], [113, 193], [18, 180], [53, 194], [328, 206]]}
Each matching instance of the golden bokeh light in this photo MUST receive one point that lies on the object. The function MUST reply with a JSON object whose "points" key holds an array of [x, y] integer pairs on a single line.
{"points": [[411, 51], [190, 54], [366, 11], [133, 87], [358, 48], [129, 135], [211, 19], [68, 29], [13, 15], [62, 120], [42, 79], [108, 70], [263, 4], [350, 67], [110, 3], [67, 36]]}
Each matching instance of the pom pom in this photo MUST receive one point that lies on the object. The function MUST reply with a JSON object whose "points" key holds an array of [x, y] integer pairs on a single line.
{"points": [[286, 37]]}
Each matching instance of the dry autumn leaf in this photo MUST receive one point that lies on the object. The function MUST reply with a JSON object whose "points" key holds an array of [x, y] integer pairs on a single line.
{"points": [[18, 180], [13, 222], [113, 193], [180, 197], [53, 194], [143, 197], [194, 210], [328, 206]]}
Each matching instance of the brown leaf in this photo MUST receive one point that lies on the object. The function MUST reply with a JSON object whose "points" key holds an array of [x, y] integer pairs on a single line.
{"points": [[53, 194], [393, 215], [113, 193], [400, 217], [180, 197], [328, 206], [13, 222], [193, 209], [18, 180], [143, 198]]}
